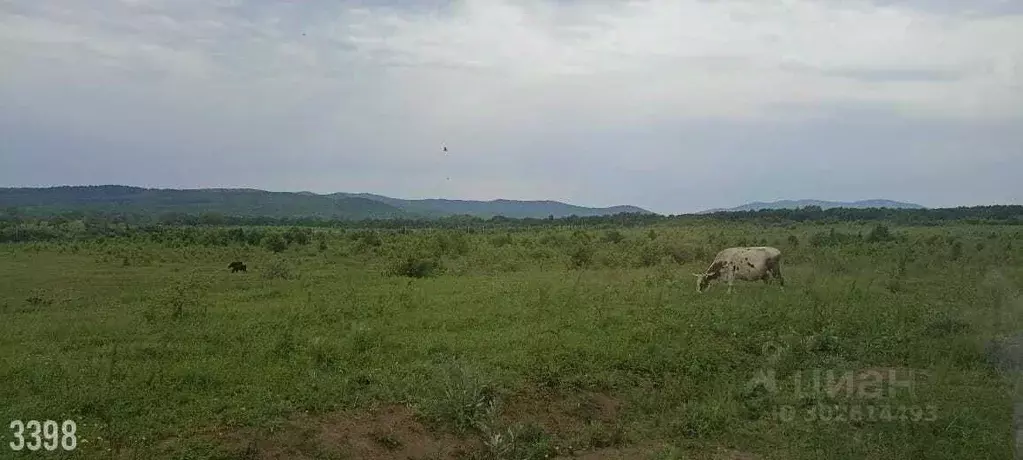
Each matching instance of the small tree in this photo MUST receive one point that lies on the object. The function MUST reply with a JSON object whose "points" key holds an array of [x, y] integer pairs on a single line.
{"points": [[581, 255], [956, 250], [880, 232], [416, 267], [297, 235], [277, 269], [613, 236], [275, 242]]}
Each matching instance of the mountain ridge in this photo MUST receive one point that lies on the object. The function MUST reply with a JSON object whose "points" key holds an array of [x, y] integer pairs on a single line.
{"points": [[495, 207], [824, 204], [257, 202], [252, 202]]}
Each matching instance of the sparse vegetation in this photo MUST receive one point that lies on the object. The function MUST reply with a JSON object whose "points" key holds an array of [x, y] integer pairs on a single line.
{"points": [[275, 242], [416, 267], [277, 268], [515, 342]]}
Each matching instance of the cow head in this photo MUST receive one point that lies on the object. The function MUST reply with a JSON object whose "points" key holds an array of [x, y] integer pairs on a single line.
{"points": [[702, 280]]}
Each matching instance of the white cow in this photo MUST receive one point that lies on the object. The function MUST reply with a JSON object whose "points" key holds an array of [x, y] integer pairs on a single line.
{"points": [[747, 264]]}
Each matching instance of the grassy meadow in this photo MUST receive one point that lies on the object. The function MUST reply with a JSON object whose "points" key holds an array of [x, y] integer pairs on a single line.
{"points": [[513, 344]]}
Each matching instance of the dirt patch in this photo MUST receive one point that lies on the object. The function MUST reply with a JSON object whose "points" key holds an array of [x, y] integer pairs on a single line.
{"points": [[577, 422], [617, 453], [731, 454], [388, 432], [577, 425], [391, 432], [651, 450], [560, 413], [590, 426]]}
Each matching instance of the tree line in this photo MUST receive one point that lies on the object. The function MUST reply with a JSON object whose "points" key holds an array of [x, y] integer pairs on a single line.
{"points": [[18, 227]]}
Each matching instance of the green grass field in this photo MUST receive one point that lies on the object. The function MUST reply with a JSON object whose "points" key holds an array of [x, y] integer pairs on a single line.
{"points": [[526, 344]]}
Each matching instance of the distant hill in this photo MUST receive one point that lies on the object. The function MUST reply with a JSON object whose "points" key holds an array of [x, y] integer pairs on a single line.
{"points": [[254, 203], [239, 202], [793, 204], [487, 209]]}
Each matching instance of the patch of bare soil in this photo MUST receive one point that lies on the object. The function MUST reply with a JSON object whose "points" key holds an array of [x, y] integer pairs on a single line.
{"points": [[559, 413], [731, 454], [588, 426], [389, 432], [651, 450], [392, 432], [578, 422], [583, 425], [616, 453]]}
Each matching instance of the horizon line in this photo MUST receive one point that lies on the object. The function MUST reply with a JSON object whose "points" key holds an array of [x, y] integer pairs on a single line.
{"points": [[549, 200]]}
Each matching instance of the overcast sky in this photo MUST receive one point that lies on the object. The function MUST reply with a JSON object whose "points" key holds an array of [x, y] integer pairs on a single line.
{"points": [[671, 105]]}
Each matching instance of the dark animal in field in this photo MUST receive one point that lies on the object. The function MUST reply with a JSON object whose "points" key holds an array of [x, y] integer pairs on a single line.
{"points": [[236, 266], [747, 264]]}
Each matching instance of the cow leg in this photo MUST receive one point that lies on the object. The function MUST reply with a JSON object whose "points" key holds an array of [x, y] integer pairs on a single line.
{"points": [[776, 272]]}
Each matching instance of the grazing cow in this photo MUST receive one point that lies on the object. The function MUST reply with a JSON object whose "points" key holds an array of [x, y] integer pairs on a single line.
{"points": [[236, 266], [747, 264]]}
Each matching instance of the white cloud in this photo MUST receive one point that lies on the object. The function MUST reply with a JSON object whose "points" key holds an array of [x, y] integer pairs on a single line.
{"points": [[504, 82], [712, 58], [696, 57]]}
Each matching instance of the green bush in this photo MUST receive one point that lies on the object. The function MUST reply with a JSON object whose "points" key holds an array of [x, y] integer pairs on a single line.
{"points": [[613, 237], [416, 267], [679, 254], [367, 237], [502, 240], [880, 233], [275, 243], [277, 269], [454, 243], [833, 238], [298, 235], [580, 255], [648, 255]]}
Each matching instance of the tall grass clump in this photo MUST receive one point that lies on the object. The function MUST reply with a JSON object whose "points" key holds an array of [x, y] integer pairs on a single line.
{"points": [[278, 269]]}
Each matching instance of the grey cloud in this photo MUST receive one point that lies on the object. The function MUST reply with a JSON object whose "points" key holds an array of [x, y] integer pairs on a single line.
{"points": [[311, 96], [851, 154], [847, 155], [896, 75], [982, 7]]}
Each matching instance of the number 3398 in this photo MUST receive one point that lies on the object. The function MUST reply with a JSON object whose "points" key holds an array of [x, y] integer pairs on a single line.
{"points": [[33, 435]]}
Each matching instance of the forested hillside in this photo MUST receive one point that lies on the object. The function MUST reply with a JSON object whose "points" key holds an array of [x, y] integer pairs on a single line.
{"points": [[260, 203]]}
